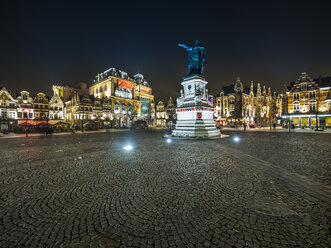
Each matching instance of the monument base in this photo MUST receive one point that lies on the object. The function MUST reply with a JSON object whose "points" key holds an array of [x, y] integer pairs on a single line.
{"points": [[195, 122], [195, 110]]}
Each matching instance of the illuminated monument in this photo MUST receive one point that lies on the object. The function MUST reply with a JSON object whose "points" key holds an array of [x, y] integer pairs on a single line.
{"points": [[195, 106]]}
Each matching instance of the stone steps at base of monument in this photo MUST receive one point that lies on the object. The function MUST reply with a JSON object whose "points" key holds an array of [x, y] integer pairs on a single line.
{"points": [[196, 131], [195, 123], [197, 128], [196, 134]]}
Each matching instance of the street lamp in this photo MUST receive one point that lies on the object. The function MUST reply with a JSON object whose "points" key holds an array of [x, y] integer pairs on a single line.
{"points": [[26, 121], [316, 112]]}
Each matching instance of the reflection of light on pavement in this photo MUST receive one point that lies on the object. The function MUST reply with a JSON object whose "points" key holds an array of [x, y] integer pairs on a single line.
{"points": [[169, 140], [236, 139], [128, 147]]}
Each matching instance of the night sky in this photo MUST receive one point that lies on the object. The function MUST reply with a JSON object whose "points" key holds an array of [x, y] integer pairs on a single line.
{"points": [[271, 42]]}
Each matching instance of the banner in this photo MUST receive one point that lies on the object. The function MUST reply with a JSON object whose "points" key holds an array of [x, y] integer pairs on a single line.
{"points": [[125, 84]]}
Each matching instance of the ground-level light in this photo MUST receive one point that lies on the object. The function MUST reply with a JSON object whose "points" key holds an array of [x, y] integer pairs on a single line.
{"points": [[128, 147], [168, 140], [236, 138]]}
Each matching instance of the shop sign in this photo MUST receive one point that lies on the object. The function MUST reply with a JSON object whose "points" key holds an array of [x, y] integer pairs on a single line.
{"points": [[125, 84]]}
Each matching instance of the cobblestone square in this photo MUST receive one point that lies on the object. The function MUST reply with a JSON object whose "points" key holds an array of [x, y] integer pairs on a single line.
{"points": [[261, 190]]}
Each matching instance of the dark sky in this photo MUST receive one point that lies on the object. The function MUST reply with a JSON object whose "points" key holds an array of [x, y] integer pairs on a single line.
{"points": [[270, 42]]}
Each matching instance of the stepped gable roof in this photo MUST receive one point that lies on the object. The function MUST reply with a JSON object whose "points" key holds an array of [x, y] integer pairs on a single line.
{"points": [[321, 81]]}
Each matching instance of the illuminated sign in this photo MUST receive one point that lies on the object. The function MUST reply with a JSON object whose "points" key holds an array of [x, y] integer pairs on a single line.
{"points": [[125, 84], [145, 91]]}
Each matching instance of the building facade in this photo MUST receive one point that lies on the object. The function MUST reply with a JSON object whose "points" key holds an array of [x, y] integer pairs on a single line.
{"points": [[171, 113], [130, 99], [8, 111], [239, 105], [308, 102], [161, 115]]}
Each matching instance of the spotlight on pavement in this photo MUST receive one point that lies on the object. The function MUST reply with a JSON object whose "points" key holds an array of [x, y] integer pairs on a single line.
{"points": [[128, 147], [169, 141], [236, 138]]}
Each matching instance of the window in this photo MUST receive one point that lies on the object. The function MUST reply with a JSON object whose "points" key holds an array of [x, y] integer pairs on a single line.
{"points": [[303, 86], [117, 110], [19, 115], [296, 107], [125, 93], [25, 97], [100, 89], [312, 106], [130, 109], [144, 106], [296, 96], [105, 87], [30, 115], [123, 109], [312, 94]]}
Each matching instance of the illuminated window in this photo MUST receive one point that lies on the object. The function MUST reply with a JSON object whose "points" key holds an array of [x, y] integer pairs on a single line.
{"points": [[296, 107], [117, 110], [130, 109], [123, 108], [303, 86], [125, 93], [312, 94], [144, 106], [312, 106]]}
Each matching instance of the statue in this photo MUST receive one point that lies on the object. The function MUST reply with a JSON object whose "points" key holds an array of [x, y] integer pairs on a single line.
{"points": [[197, 58]]}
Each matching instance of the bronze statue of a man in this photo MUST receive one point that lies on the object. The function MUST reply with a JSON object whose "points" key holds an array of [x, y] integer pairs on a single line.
{"points": [[197, 58]]}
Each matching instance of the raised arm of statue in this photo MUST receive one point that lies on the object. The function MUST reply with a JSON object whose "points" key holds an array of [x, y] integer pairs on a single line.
{"points": [[186, 47]]}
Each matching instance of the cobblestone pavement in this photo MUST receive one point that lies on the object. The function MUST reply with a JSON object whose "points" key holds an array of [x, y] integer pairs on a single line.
{"points": [[87, 191]]}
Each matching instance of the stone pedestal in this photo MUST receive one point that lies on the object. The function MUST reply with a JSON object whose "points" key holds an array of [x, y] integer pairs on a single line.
{"points": [[195, 110]]}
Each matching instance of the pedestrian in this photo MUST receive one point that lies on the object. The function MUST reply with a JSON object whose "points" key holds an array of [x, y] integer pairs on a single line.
{"points": [[274, 125]]}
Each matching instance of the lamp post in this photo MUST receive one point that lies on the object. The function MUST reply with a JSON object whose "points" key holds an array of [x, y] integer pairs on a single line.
{"points": [[26, 121], [316, 112]]}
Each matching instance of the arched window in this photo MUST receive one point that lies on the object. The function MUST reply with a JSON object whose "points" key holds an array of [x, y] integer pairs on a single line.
{"points": [[105, 87], [100, 89], [125, 93], [123, 108], [117, 107], [130, 109], [96, 91]]}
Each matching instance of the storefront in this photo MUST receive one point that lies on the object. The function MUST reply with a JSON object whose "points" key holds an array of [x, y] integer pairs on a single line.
{"points": [[308, 120]]}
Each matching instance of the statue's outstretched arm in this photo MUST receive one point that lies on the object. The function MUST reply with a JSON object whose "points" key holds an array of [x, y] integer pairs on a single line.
{"points": [[186, 47]]}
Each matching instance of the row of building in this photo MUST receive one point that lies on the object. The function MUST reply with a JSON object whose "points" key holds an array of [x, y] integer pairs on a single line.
{"points": [[113, 99], [304, 103]]}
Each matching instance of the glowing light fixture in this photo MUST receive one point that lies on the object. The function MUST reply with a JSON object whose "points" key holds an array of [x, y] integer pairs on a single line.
{"points": [[168, 140], [236, 139], [128, 147]]}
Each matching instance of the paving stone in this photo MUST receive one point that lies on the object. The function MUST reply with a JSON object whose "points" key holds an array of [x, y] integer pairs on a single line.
{"points": [[189, 194]]}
